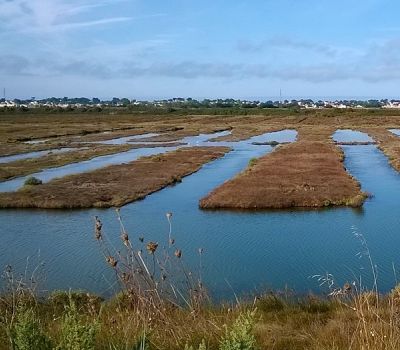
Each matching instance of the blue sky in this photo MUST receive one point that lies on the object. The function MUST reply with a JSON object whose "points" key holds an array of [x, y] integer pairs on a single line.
{"points": [[241, 49]]}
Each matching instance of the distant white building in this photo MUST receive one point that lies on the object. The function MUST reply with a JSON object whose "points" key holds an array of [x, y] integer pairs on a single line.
{"points": [[7, 104]]}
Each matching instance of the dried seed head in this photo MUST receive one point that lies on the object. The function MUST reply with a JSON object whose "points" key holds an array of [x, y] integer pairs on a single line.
{"points": [[125, 238], [201, 250], [169, 216], [125, 277], [152, 247], [347, 288], [178, 253], [141, 239], [111, 261], [171, 241], [97, 228]]}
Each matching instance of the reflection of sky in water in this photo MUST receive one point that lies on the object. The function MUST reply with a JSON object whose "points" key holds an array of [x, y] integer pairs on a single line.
{"points": [[395, 131], [351, 136]]}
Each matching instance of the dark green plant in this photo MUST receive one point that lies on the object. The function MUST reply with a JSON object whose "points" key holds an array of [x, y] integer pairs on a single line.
{"points": [[32, 181], [252, 162], [27, 333], [76, 333]]}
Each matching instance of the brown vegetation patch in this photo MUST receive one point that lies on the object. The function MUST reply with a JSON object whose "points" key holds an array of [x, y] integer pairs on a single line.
{"points": [[114, 185], [307, 173]]}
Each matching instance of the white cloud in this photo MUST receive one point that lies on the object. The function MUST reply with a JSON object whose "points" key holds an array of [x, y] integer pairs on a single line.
{"points": [[46, 16]]}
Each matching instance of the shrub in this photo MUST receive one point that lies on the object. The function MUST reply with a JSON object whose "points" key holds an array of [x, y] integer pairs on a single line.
{"points": [[240, 335], [76, 334], [27, 333], [252, 162], [32, 181]]}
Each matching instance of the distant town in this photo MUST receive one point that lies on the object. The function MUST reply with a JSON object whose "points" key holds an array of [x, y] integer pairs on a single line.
{"points": [[82, 102]]}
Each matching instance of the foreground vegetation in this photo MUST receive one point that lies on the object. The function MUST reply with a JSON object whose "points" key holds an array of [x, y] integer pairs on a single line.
{"points": [[164, 305], [77, 320]]}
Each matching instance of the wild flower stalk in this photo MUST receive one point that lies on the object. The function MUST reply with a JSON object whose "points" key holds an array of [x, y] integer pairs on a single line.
{"points": [[152, 275]]}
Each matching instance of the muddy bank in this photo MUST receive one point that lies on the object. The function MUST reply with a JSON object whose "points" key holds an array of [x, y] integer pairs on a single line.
{"points": [[307, 173], [114, 185]]}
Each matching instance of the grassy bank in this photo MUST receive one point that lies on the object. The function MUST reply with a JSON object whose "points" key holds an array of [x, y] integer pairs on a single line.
{"points": [[73, 320]]}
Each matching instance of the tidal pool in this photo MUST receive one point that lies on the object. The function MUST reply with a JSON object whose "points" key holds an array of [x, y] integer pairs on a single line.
{"points": [[243, 251]]}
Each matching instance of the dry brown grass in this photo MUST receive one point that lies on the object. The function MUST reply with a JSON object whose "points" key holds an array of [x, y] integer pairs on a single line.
{"points": [[114, 185], [307, 173], [355, 321], [314, 126], [63, 127]]}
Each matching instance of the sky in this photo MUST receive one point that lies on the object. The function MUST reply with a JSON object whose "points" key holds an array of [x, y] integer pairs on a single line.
{"points": [[200, 49]]}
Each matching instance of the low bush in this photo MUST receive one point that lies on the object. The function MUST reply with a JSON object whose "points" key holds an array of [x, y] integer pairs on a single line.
{"points": [[32, 181]]}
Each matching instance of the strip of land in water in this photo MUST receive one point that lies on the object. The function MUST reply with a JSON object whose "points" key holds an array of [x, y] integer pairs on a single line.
{"points": [[307, 173], [115, 185]]}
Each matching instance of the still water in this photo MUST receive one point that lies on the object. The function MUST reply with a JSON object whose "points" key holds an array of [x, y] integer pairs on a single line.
{"points": [[243, 251]]}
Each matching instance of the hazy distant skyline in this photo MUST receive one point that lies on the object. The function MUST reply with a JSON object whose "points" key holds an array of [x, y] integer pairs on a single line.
{"points": [[239, 49]]}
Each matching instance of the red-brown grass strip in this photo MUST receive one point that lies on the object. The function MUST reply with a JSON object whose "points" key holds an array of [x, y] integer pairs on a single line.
{"points": [[307, 173], [115, 185]]}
